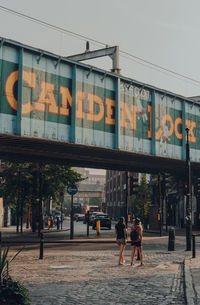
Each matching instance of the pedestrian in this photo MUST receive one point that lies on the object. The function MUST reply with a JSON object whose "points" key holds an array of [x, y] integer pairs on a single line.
{"points": [[136, 240], [121, 237]]}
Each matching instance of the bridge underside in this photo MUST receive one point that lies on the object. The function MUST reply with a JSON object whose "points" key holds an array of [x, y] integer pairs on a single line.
{"points": [[34, 149]]}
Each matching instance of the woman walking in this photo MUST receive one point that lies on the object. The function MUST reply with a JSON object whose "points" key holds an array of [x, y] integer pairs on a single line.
{"points": [[136, 240], [121, 236]]}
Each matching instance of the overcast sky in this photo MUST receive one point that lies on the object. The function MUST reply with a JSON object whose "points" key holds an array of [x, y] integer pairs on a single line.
{"points": [[165, 33]]}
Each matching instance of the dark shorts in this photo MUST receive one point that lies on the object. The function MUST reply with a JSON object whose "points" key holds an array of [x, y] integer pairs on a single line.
{"points": [[121, 241], [136, 243]]}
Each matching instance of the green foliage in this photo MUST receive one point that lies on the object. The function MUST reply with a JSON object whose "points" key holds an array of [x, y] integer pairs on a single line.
{"points": [[5, 263], [11, 292], [140, 202], [31, 181]]}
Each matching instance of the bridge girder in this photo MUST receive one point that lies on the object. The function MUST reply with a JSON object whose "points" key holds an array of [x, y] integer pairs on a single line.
{"points": [[26, 149]]}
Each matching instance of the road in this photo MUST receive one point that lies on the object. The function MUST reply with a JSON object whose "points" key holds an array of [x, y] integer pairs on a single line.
{"points": [[80, 229]]}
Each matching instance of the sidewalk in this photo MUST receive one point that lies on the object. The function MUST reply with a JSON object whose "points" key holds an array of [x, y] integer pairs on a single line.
{"points": [[88, 273], [192, 280]]}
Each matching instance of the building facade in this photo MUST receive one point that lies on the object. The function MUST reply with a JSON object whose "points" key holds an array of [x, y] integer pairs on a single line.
{"points": [[116, 193], [93, 186]]}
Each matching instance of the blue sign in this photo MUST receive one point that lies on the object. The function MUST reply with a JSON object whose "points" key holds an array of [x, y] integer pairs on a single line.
{"points": [[72, 189]]}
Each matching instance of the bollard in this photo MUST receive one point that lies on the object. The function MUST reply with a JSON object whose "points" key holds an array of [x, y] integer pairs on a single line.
{"points": [[87, 218], [0, 242], [193, 247], [41, 246], [1, 276], [58, 223], [171, 241], [98, 227], [49, 223]]}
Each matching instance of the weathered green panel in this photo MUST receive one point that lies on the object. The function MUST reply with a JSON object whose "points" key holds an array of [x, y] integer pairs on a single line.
{"points": [[49, 89]]}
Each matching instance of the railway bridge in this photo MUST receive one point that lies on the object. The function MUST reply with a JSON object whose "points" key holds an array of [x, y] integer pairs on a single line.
{"points": [[54, 109]]}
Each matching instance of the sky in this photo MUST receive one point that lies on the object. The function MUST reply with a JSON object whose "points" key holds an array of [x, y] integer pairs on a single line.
{"points": [[164, 33]]}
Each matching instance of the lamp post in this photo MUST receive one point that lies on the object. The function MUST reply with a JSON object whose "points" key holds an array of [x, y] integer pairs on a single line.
{"points": [[72, 190], [72, 218], [62, 191], [160, 203], [188, 195]]}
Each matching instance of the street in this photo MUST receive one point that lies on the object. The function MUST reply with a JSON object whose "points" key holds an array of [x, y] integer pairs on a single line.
{"points": [[80, 229], [88, 273]]}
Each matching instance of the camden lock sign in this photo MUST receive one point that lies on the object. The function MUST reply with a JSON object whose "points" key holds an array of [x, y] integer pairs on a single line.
{"points": [[47, 97]]}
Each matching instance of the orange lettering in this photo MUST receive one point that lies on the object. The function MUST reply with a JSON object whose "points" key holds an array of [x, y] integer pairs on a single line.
{"points": [[165, 118], [30, 79], [110, 106], [178, 121], [191, 125], [80, 96], [66, 99], [9, 88], [92, 116], [47, 98], [131, 114], [149, 133]]}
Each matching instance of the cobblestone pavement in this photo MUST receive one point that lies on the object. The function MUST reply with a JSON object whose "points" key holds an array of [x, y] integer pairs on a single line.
{"points": [[94, 277], [192, 280]]}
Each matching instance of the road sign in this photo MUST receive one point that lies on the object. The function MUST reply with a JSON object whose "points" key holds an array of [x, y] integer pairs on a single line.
{"points": [[72, 189]]}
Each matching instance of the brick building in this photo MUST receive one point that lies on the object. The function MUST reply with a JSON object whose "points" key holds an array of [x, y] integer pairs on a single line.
{"points": [[92, 187], [117, 193]]}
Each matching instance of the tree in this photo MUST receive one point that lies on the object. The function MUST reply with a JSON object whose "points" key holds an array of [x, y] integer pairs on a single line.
{"points": [[29, 184], [140, 202]]}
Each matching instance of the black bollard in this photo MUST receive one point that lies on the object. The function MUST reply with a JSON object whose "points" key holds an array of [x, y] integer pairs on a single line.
{"points": [[58, 223], [41, 246], [87, 221], [193, 247], [171, 241]]}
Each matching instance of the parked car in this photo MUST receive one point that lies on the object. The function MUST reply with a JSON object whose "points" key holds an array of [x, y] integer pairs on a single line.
{"points": [[80, 217], [75, 216], [92, 217], [105, 221]]}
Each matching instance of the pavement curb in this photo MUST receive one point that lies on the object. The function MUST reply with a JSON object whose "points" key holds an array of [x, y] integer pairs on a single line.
{"points": [[189, 290]]}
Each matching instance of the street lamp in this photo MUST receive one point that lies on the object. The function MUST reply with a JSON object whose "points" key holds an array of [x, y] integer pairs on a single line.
{"points": [[188, 217]]}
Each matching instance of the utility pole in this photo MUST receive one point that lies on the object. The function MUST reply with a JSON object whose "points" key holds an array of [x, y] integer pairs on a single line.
{"points": [[62, 191], [18, 201], [72, 218], [72, 190], [160, 204], [127, 197], [188, 195]]}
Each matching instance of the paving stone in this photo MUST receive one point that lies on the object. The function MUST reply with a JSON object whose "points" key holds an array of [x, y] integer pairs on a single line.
{"points": [[94, 277]]}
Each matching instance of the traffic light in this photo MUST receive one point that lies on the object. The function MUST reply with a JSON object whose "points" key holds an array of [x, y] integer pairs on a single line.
{"points": [[133, 185], [168, 183], [186, 189], [165, 184], [188, 216], [163, 189], [197, 187]]}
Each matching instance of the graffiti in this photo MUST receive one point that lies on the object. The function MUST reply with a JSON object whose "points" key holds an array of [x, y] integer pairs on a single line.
{"points": [[96, 108]]}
